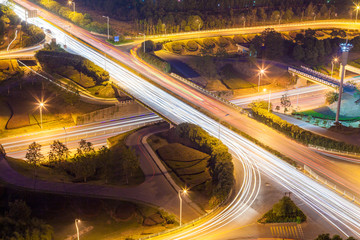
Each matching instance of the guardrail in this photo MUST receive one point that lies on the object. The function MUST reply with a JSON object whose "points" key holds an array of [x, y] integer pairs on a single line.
{"points": [[346, 193], [211, 94], [333, 150]]}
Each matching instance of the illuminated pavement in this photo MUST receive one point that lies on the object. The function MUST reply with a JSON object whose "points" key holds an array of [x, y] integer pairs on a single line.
{"points": [[335, 209]]}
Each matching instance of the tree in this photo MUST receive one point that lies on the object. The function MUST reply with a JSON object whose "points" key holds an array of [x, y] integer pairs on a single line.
{"points": [[323, 237], [34, 155], [19, 211], [288, 14], [106, 162], [130, 162], [331, 97], [195, 22], [85, 148], [84, 166], [58, 152], [298, 53], [285, 102], [274, 44], [275, 16]]}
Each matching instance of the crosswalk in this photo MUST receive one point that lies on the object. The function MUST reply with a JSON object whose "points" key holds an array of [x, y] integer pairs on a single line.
{"points": [[287, 231]]}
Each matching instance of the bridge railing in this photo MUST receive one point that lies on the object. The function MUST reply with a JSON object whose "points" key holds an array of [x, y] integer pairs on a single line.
{"points": [[312, 77]]}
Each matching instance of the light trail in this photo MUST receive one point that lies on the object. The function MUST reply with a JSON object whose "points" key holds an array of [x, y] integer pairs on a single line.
{"points": [[337, 210]]}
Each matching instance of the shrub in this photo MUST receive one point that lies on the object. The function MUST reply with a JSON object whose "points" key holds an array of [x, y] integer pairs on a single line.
{"points": [[209, 43], [223, 42], [155, 61], [177, 47], [192, 46], [239, 39]]}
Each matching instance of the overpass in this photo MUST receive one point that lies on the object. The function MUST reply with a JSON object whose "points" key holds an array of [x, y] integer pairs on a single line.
{"points": [[320, 78]]}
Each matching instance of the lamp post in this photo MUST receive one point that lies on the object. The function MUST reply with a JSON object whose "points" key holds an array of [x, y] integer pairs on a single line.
{"points": [[77, 228], [108, 26], [72, 3], [269, 99], [357, 11], [41, 105], [332, 65], [345, 48], [179, 194], [144, 39], [261, 72]]}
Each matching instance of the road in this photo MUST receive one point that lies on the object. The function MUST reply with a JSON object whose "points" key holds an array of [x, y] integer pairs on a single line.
{"points": [[97, 133], [335, 209]]}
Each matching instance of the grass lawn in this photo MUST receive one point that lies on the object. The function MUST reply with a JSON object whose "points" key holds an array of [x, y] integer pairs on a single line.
{"points": [[42, 173], [81, 79], [237, 83], [102, 91], [106, 219], [316, 114]]}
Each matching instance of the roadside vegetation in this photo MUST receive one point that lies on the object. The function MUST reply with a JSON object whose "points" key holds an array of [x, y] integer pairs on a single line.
{"points": [[283, 212], [65, 66], [99, 218], [260, 113], [117, 165], [147, 54], [199, 161], [326, 236], [28, 34], [17, 222]]}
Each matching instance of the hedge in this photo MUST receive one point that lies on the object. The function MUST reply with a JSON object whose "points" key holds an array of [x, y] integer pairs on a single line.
{"points": [[223, 42], [177, 47], [300, 134], [154, 60], [209, 43], [239, 39], [192, 46]]}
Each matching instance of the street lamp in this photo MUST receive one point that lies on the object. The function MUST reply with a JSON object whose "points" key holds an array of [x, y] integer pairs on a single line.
{"points": [[144, 39], [269, 99], [220, 123], [108, 26], [77, 221], [184, 191], [41, 105], [73, 3], [345, 48], [357, 11], [261, 72], [335, 59]]}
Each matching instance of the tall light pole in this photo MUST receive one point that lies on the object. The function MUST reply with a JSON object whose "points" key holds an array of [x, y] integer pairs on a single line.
{"points": [[77, 228], [108, 26], [72, 3], [269, 99], [144, 39], [357, 11], [345, 48], [41, 105], [261, 72], [332, 65], [184, 191]]}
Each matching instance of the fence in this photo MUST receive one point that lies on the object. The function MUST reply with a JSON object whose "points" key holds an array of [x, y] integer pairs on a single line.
{"points": [[211, 94], [120, 110], [346, 193]]}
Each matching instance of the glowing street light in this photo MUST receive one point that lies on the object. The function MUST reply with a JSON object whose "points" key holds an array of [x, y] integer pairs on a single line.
{"points": [[335, 60], [357, 8], [261, 72], [77, 221], [72, 3], [41, 105], [184, 191], [269, 98]]}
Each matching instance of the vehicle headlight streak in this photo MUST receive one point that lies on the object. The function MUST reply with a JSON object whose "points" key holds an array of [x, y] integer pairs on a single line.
{"points": [[338, 211]]}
